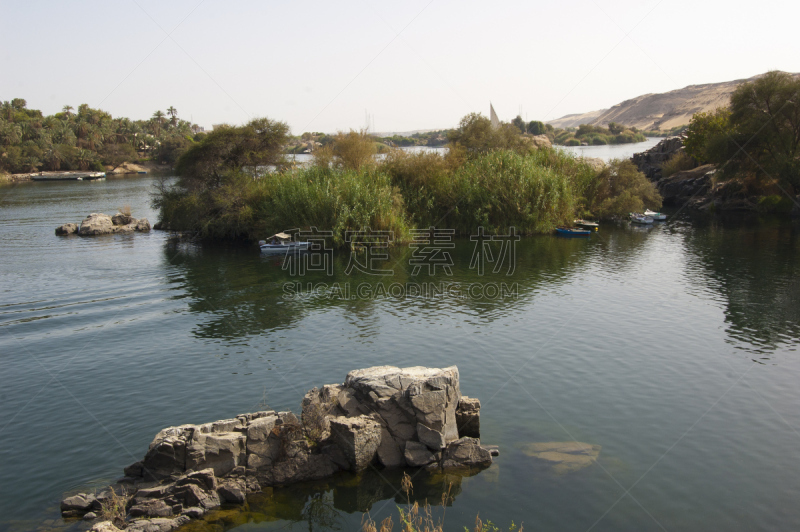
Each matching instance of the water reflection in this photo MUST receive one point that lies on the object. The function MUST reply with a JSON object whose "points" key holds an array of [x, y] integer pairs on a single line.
{"points": [[753, 263], [337, 503], [243, 293]]}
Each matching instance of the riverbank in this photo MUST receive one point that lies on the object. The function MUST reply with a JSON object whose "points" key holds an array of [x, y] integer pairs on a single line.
{"points": [[125, 169], [699, 187]]}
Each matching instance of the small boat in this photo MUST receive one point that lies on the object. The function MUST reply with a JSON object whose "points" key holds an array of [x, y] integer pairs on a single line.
{"points": [[639, 218], [280, 243], [571, 231], [586, 224], [657, 216]]}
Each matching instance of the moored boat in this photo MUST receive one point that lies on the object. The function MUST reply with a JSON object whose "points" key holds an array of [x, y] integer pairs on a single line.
{"points": [[280, 243], [657, 216], [586, 224], [639, 218], [571, 231]]}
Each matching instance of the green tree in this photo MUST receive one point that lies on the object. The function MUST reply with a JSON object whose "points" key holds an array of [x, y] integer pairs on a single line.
{"points": [[67, 110], [520, 123], [535, 127], [765, 118], [615, 128], [620, 188], [223, 151], [475, 135], [173, 115], [706, 132]]}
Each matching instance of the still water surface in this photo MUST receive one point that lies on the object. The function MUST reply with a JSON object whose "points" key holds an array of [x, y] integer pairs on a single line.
{"points": [[674, 349]]}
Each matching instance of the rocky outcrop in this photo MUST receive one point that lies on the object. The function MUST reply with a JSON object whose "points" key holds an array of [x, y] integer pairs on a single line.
{"points": [[67, 229], [382, 416], [103, 224], [649, 162]]}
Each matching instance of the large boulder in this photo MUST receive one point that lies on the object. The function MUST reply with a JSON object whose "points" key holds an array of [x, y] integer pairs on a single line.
{"points": [[96, 224], [402, 400], [468, 417], [358, 437], [465, 452]]}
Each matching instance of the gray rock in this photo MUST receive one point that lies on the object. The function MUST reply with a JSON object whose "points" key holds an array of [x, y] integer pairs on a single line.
{"points": [[121, 219], [465, 452], [96, 224], [221, 451], [142, 225], [358, 437], [89, 516], [432, 438], [232, 491], [417, 454], [67, 229], [150, 508], [468, 417], [78, 504], [194, 512], [134, 470]]}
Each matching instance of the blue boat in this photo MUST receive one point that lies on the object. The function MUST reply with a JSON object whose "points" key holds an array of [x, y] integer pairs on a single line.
{"points": [[568, 232]]}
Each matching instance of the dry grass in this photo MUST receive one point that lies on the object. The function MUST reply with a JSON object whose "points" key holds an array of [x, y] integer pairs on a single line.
{"points": [[125, 209], [416, 518], [114, 507]]}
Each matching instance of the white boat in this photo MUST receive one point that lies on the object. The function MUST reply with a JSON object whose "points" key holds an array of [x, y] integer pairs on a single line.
{"points": [[281, 243], [655, 215], [639, 218]]}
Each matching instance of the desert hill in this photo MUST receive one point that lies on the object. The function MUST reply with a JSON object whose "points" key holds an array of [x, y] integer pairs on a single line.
{"points": [[659, 111]]}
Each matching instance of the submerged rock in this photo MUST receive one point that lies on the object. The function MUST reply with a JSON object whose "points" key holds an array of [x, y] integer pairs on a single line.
{"points": [[565, 456]]}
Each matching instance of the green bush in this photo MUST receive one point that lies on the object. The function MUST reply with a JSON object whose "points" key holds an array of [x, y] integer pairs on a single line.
{"points": [[679, 162]]}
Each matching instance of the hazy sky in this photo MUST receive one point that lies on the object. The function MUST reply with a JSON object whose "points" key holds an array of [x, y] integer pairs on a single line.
{"points": [[416, 64]]}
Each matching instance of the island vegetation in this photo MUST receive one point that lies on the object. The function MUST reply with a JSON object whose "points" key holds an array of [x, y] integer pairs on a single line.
{"points": [[236, 184], [754, 143], [87, 139]]}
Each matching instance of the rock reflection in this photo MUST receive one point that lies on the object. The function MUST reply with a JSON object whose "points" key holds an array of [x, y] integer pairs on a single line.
{"points": [[326, 505]]}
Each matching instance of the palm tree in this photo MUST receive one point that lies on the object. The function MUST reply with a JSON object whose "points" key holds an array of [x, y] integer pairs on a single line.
{"points": [[84, 158], [67, 110], [158, 116], [8, 110], [173, 113]]}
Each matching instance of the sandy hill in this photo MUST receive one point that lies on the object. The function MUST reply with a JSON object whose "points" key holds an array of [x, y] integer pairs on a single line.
{"points": [[659, 111]]}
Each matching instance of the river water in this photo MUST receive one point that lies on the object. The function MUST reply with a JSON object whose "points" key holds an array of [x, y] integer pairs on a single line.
{"points": [[672, 349]]}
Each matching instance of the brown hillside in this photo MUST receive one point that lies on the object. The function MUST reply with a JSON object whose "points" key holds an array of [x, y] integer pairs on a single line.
{"points": [[660, 111]]}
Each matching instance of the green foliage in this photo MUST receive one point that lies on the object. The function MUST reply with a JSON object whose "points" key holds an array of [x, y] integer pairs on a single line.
{"points": [[704, 132], [476, 135], [519, 123], [533, 190], [245, 208], [597, 135], [620, 188], [679, 162], [85, 139], [259, 143], [354, 150], [536, 127], [758, 139]]}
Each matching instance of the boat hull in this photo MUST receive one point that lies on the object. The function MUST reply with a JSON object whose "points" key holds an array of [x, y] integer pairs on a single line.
{"points": [[561, 231], [281, 249]]}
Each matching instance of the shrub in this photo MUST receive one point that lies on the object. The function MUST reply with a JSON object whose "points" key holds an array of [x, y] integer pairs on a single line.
{"points": [[679, 162], [620, 188]]}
